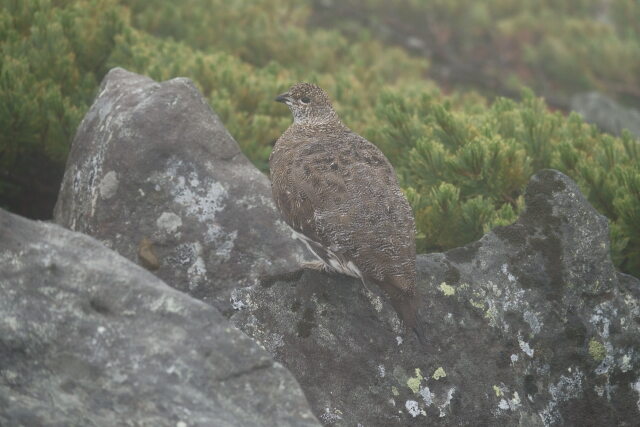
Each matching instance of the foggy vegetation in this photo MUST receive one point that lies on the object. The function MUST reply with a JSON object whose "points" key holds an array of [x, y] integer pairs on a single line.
{"points": [[467, 99]]}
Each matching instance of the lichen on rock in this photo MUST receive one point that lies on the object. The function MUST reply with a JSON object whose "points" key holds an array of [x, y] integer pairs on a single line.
{"points": [[534, 310]]}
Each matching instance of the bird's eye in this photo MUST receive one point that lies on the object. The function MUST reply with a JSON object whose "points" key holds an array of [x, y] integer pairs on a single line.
{"points": [[305, 99]]}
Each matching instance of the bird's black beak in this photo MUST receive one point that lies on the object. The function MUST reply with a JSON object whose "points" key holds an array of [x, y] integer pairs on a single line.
{"points": [[283, 98]]}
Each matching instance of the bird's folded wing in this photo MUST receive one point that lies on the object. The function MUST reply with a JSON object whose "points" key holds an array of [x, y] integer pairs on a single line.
{"points": [[332, 189], [302, 204]]}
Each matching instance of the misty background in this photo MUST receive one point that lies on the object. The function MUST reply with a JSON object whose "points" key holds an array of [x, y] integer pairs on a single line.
{"points": [[467, 99]]}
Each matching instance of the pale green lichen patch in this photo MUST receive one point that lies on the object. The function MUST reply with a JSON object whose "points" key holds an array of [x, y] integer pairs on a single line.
{"points": [[414, 382], [492, 315], [394, 391], [498, 391], [597, 350], [448, 290], [477, 304], [439, 373]]}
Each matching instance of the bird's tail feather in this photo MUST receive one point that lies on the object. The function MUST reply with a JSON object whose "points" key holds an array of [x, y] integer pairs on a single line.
{"points": [[405, 303]]}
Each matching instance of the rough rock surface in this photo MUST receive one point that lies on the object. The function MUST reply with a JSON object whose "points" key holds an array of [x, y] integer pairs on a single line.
{"points": [[154, 175], [89, 339], [531, 325], [605, 113]]}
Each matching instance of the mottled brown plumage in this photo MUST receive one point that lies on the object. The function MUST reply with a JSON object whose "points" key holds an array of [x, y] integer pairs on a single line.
{"points": [[340, 195]]}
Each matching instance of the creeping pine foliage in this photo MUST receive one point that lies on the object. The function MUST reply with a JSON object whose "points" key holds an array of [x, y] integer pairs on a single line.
{"points": [[464, 172], [462, 162]]}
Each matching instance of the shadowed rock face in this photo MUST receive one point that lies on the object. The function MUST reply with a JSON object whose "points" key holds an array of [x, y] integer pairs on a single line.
{"points": [[154, 175], [89, 339], [530, 325]]}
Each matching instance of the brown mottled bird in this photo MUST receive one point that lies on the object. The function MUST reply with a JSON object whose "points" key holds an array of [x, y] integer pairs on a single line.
{"points": [[340, 195]]}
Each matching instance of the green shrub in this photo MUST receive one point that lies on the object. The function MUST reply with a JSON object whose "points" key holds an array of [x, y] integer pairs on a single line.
{"points": [[53, 56], [465, 171]]}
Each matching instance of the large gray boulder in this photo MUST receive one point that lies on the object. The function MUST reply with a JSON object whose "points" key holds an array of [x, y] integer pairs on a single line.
{"points": [[154, 174], [89, 339], [531, 325]]}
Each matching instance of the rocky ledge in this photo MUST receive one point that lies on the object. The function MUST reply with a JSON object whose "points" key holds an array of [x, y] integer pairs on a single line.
{"points": [[531, 325], [88, 338]]}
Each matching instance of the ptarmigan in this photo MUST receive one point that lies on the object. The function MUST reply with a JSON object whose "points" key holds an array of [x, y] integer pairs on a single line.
{"points": [[340, 195]]}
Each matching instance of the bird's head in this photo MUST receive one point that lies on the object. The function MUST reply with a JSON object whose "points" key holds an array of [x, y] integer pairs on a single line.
{"points": [[308, 103]]}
